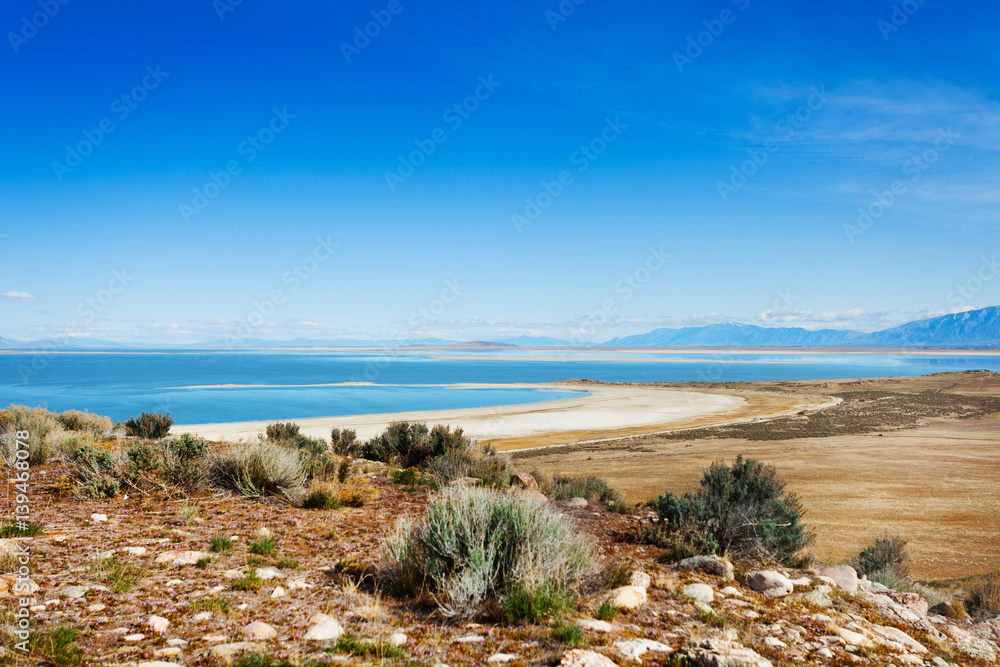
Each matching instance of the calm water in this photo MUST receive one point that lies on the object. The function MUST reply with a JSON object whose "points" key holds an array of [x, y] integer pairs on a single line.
{"points": [[123, 384]]}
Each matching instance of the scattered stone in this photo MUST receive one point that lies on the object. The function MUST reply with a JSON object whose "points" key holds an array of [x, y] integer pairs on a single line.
{"points": [[524, 481], [259, 630], [73, 592], [769, 583], [576, 503], [634, 648], [469, 639], [232, 574], [296, 584], [732, 591], [168, 652], [501, 657], [134, 637], [708, 565], [639, 578], [818, 598], [801, 581], [278, 592], [595, 625], [267, 573], [263, 532], [898, 635], [176, 641], [319, 618], [175, 582], [844, 577], [581, 658], [214, 639], [95, 607], [853, 638], [824, 652], [180, 558], [699, 592], [158, 624], [774, 642], [156, 663], [202, 616], [397, 639], [723, 653], [628, 597], [135, 551], [98, 518], [324, 630]]}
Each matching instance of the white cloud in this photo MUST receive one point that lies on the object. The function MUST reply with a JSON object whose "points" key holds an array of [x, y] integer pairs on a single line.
{"points": [[22, 297]]}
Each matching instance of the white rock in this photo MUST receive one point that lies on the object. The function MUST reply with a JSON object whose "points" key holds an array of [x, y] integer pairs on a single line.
{"points": [[844, 577], [897, 635], [769, 583], [98, 518], [263, 532], [94, 607], [158, 624], [278, 592], [699, 592], [202, 616], [168, 652], [633, 648], [575, 503], [214, 639], [267, 573], [853, 638], [581, 658], [134, 637], [628, 597], [319, 618], [639, 579], [176, 641], [259, 630], [243, 606], [731, 591], [469, 639], [324, 630], [501, 657], [179, 558], [595, 625], [824, 652], [296, 584], [228, 652], [156, 663], [724, 653], [175, 582], [397, 639], [135, 551], [73, 592], [232, 574], [805, 582], [774, 642]]}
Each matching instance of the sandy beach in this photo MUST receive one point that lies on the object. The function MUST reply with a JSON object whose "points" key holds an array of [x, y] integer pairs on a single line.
{"points": [[604, 411]]}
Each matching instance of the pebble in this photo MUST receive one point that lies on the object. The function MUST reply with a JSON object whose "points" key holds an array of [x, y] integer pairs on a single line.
{"points": [[469, 639], [263, 531], [259, 630], [628, 597], [699, 592], [134, 638], [176, 641], [98, 518], [594, 624], [397, 639], [278, 592], [135, 551], [501, 657], [633, 648], [202, 616], [296, 584], [774, 642], [94, 607], [267, 573], [74, 592], [158, 624], [581, 658], [167, 652], [324, 630]]}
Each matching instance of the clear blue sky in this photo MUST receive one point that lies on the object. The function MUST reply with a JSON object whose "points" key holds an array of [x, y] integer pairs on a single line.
{"points": [[838, 102]]}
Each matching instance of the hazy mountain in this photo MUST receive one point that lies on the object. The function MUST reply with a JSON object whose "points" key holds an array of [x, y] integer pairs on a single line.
{"points": [[974, 328], [535, 341]]}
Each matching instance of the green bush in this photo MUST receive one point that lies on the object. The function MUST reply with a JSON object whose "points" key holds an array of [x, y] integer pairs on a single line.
{"points": [[258, 469], [74, 420], [343, 441], [288, 433], [477, 544], [407, 444], [39, 423], [741, 510], [886, 553], [493, 469], [533, 603], [149, 425]]}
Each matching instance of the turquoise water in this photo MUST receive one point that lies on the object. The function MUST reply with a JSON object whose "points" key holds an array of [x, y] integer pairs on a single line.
{"points": [[123, 384]]}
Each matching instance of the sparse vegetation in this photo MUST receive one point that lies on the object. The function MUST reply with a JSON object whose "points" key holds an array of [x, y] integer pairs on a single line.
{"points": [[57, 646], [741, 510], [289, 434], [75, 420], [149, 425], [266, 546], [259, 469], [478, 544], [248, 582], [23, 529], [221, 544], [532, 603], [982, 595], [569, 634], [607, 610], [121, 574], [214, 604], [355, 646], [886, 554]]}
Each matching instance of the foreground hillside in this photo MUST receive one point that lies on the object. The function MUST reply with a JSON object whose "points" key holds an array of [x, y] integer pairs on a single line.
{"points": [[135, 580]]}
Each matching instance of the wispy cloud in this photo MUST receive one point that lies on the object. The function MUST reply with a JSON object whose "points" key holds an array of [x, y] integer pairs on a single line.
{"points": [[21, 297]]}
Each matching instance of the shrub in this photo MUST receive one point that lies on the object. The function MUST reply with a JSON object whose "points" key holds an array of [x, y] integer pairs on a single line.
{"points": [[408, 444], [288, 433], [482, 463], [742, 511], [250, 581], [477, 544], [258, 469], [363, 648], [532, 603], [321, 497], [343, 441], [121, 575], [264, 547], [74, 420], [607, 610], [568, 633], [221, 544], [39, 424], [149, 425], [982, 595], [886, 553]]}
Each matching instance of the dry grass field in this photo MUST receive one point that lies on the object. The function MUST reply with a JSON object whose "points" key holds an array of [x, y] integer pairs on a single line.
{"points": [[915, 457]]}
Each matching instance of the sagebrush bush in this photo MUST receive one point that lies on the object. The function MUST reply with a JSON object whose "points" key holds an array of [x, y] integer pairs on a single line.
{"points": [[149, 425], [982, 595], [741, 510], [288, 433], [407, 444], [476, 545], [564, 487], [482, 463], [343, 441], [258, 469], [172, 466], [885, 553], [39, 423], [74, 420]]}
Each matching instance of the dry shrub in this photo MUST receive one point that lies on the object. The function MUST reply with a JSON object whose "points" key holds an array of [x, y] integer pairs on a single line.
{"points": [[258, 469], [982, 595], [97, 425]]}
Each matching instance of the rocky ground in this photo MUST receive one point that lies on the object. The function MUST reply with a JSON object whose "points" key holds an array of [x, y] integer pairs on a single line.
{"points": [[138, 579]]}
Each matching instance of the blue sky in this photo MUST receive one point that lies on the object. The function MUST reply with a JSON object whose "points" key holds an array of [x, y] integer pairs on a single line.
{"points": [[609, 167]]}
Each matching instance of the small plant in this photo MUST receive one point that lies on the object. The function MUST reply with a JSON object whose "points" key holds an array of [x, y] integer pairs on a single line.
{"points": [[886, 553], [216, 605], [19, 529], [344, 470], [266, 546], [204, 562], [57, 646], [221, 544], [248, 582], [322, 497], [568, 633], [362, 648], [149, 425], [188, 512], [343, 441], [121, 575], [532, 603], [74, 420], [607, 610], [286, 562], [288, 433]]}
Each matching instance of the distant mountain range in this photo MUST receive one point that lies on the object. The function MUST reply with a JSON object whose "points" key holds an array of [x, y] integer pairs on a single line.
{"points": [[971, 329]]}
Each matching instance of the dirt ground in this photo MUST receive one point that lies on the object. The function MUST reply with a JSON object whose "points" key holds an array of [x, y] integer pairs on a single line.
{"points": [[915, 457]]}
